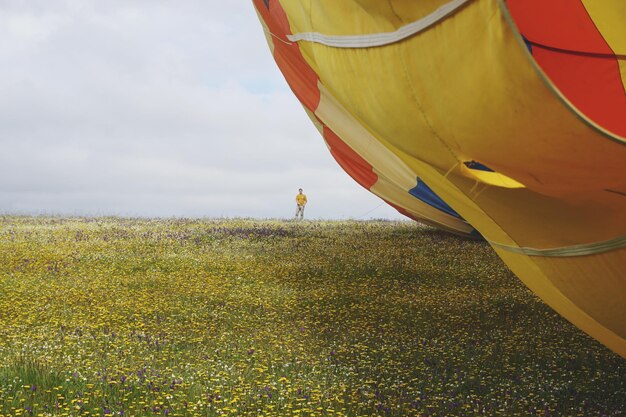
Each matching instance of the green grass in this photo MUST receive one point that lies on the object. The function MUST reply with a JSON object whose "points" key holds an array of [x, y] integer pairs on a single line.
{"points": [[112, 316]]}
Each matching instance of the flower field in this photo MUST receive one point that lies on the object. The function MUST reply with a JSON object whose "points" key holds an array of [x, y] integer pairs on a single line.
{"points": [[134, 317]]}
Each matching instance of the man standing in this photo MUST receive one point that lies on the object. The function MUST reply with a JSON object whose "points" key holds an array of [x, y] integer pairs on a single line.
{"points": [[301, 202]]}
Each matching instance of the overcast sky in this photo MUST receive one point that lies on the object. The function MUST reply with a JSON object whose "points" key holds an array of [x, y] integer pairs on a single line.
{"points": [[156, 108]]}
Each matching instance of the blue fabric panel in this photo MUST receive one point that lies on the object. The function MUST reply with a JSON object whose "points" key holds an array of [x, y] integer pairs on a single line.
{"points": [[528, 45], [425, 194]]}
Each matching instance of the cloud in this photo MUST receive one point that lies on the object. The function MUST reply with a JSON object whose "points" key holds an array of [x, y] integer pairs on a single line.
{"points": [[150, 108]]}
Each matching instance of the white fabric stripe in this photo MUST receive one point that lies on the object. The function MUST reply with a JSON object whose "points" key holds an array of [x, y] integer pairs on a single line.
{"points": [[379, 39], [576, 250]]}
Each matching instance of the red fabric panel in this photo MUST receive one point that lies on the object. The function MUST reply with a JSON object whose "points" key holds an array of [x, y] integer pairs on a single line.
{"points": [[562, 24], [593, 85], [569, 48], [403, 211], [351, 162], [299, 75]]}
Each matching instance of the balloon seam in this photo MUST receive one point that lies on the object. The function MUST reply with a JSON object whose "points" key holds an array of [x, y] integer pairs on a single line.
{"points": [[567, 251], [380, 39]]}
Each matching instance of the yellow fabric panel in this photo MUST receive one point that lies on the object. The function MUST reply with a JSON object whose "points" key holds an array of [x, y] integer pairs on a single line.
{"points": [[408, 12], [537, 281], [571, 275], [389, 167], [541, 221], [491, 178], [609, 17], [467, 89]]}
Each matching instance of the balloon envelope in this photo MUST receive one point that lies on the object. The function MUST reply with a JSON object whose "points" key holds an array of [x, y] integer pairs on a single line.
{"points": [[504, 119]]}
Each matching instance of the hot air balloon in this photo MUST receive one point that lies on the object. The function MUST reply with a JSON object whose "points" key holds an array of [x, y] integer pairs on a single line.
{"points": [[504, 118]]}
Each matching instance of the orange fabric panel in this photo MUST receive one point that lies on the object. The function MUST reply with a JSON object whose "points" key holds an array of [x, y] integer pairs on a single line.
{"points": [[299, 75], [572, 52], [350, 161]]}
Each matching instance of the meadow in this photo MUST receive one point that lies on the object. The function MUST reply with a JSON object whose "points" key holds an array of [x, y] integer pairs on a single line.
{"points": [[179, 317]]}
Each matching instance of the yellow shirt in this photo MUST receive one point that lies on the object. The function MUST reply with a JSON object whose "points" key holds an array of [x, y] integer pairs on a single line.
{"points": [[301, 199]]}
